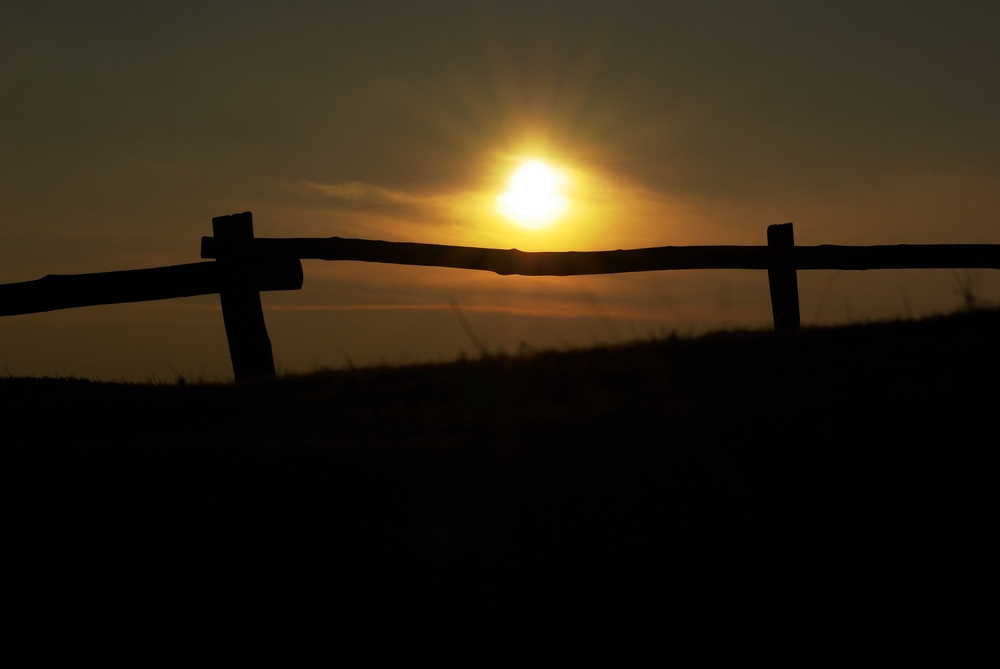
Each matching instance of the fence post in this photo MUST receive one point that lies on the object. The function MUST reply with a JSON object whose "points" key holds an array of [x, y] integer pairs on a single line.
{"points": [[781, 277], [249, 345]]}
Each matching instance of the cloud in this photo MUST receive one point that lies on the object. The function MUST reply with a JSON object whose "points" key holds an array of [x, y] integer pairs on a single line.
{"points": [[357, 191]]}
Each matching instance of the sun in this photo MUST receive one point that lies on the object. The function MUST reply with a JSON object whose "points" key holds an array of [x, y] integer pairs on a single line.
{"points": [[534, 197]]}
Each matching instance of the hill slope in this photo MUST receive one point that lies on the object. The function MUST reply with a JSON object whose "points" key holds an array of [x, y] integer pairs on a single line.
{"points": [[825, 480]]}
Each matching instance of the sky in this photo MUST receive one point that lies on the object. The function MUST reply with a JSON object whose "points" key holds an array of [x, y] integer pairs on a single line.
{"points": [[125, 127]]}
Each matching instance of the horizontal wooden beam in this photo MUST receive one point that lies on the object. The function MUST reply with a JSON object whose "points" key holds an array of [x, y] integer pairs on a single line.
{"points": [[899, 256], [138, 285], [566, 263], [501, 261]]}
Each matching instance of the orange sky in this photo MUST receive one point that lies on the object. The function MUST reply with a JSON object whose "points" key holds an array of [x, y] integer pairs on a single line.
{"points": [[124, 130]]}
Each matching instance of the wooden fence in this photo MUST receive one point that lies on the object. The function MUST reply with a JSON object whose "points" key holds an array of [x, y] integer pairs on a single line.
{"points": [[244, 265]]}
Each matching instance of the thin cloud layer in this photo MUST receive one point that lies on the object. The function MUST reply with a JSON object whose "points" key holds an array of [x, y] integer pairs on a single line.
{"points": [[355, 191]]}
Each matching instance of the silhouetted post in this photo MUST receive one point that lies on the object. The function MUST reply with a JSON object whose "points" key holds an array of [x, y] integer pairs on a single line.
{"points": [[249, 345], [781, 277]]}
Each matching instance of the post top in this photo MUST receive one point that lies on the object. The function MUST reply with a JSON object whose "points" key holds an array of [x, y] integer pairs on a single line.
{"points": [[780, 234], [235, 225]]}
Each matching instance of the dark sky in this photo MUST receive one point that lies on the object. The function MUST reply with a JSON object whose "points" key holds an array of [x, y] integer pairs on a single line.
{"points": [[125, 127]]}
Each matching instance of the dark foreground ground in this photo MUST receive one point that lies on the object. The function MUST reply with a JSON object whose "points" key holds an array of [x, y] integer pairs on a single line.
{"points": [[836, 484]]}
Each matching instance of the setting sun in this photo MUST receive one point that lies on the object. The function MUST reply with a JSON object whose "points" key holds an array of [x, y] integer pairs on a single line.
{"points": [[534, 197]]}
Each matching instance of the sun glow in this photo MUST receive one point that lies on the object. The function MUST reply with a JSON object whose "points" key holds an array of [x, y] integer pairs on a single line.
{"points": [[534, 197]]}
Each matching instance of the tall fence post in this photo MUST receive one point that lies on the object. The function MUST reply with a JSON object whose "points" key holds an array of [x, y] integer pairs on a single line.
{"points": [[249, 345], [781, 277]]}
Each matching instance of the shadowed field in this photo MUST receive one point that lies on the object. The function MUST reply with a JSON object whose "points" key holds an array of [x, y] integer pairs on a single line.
{"points": [[826, 482]]}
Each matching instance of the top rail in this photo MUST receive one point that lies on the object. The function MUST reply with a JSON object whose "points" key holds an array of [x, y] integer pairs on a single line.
{"points": [[569, 263], [66, 291]]}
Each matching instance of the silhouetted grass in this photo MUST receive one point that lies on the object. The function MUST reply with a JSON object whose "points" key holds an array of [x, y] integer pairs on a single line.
{"points": [[827, 482]]}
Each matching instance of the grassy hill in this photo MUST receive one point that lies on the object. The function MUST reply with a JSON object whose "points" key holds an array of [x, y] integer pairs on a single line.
{"points": [[827, 482]]}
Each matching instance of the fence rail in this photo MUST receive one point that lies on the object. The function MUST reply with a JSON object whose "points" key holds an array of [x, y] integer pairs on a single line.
{"points": [[245, 265], [66, 291], [574, 263]]}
